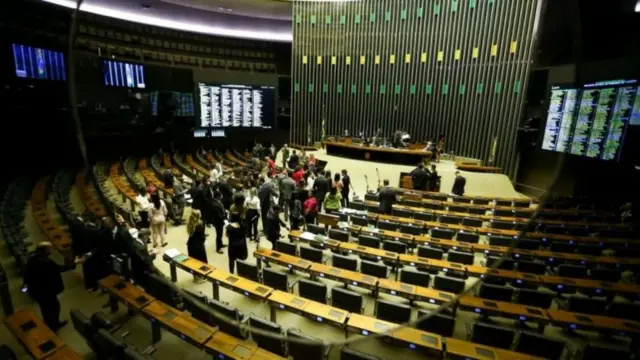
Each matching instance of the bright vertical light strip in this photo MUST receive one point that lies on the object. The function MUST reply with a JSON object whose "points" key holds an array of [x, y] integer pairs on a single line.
{"points": [[637, 9], [262, 34]]}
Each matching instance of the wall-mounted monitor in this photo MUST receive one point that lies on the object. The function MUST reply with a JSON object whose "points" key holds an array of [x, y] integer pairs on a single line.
{"points": [[592, 120], [122, 74], [36, 63], [237, 106], [181, 104]]}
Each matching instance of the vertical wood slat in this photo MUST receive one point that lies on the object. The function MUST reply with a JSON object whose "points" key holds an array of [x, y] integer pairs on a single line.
{"points": [[469, 120]]}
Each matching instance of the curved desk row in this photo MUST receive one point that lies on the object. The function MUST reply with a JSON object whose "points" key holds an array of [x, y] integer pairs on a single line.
{"points": [[372, 153]]}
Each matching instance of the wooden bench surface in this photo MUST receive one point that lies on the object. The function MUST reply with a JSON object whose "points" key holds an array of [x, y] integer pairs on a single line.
{"points": [[34, 335]]}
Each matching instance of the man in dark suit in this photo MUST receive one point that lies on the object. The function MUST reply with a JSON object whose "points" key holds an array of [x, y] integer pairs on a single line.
{"points": [[197, 195], [346, 183], [266, 193], [167, 178], [458, 184], [420, 177], [387, 198], [294, 160], [321, 187]]}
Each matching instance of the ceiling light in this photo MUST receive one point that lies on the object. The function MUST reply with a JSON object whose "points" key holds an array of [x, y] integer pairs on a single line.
{"points": [[638, 6], [177, 25]]}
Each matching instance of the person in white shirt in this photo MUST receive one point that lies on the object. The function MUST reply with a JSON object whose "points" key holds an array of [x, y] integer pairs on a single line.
{"points": [[144, 205], [252, 206], [158, 217], [216, 173]]}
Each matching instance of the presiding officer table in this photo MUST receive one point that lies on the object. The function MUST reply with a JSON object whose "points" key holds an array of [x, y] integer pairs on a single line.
{"points": [[372, 153]]}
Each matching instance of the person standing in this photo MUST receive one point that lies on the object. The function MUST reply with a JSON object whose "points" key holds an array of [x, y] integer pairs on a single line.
{"points": [[458, 184], [332, 202], [237, 235], [196, 248], [274, 224], [433, 179], [143, 208], [179, 201], [321, 186], [44, 283], [252, 204], [271, 165], [337, 183], [387, 198], [217, 219], [294, 160], [298, 175], [167, 178], [310, 208], [285, 155], [158, 218], [287, 187], [346, 183], [420, 177], [265, 194]]}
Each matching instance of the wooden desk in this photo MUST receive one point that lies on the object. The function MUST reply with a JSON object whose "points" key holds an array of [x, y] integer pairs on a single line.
{"points": [[353, 248], [189, 264], [344, 276], [461, 349], [478, 168], [575, 321], [313, 310], [317, 240], [504, 309], [470, 197], [230, 347], [65, 353], [289, 261], [415, 338], [118, 289], [33, 334], [238, 284], [372, 153], [177, 322]]}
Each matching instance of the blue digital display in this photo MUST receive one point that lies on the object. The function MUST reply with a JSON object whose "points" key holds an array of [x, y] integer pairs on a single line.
{"points": [[123, 74], [35, 63]]}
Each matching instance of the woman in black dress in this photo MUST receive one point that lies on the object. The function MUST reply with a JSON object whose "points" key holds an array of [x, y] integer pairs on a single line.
{"points": [[237, 234], [196, 248]]}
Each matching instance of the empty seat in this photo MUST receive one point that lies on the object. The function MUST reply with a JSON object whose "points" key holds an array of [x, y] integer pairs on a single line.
{"points": [[589, 249], [503, 213], [372, 208], [286, 247], [401, 213], [574, 271], [500, 240], [388, 225], [540, 346], [412, 203], [522, 214], [275, 279], [507, 264], [340, 235], [495, 292], [316, 229], [359, 220], [373, 269], [431, 206], [477, 211], [555, 229], [269, 343], [448, 284], [371, 197], [468, 237], [532, 267], [369, 241], [417, 278], [410, 229], [592, 352], [311, 254], [504, 202], [442, 234], [450, 220], [472, 222], [357, 205], [246, 270], [423, 216], [502, 225], [480, 202], [624, 310], [587, 305], [461, 200], [430, 253], [460, 257], [563, 247], [457, 209], [441, 324], [395, 246], [347, 300], [603, 274], [344, 262], [490, 335], [528, 244], [311, 349], [521, 204], [351, 354], [393, 312], [534, 298], [312, 290]]}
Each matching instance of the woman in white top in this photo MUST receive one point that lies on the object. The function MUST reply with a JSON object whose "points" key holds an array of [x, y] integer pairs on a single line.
{"points": [[216, 172], [158, 218], [252, 205]]}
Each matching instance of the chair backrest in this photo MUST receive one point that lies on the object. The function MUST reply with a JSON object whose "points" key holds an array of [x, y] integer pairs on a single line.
{"points": [[401, 213], [418, 278], [357, 205], [286, 247], [423, 216], [575, 271], [503, 225], [442, 234], [246, 270], [480, 202], [460, 257], [507, 264], [504, 202], [468, 237], [441, 324], [109, 345], [430, 253], [449, 284], [388, 225], [312, 290], [458, 209], [275, 279], [311, 254], [592, 352], [410, 229], [227, 318], [393, 312], [373, 269], [312, 348], [461, 200], [317, 229], [587, 305], [532, 267], [528, 244], [395, 246], [344, 262], [624, 310], [534, 298], [445, 219], [539, 345], [603, 274], [81, 323], [346, 300], [477, 211], [359, 220], [503, 213], [500, 240], [268, 343], [369, 241], [351, 354], [490, 335], [495, 292], [340, 235]]}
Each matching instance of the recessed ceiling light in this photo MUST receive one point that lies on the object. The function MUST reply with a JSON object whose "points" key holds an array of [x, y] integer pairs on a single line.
{"points": [[638, 6]]}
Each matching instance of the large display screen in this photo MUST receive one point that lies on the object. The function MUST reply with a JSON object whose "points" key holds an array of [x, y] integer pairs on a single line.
{"points": [[237, 106], [180, 103], [592, 120], [35, 63], [121, 74]]}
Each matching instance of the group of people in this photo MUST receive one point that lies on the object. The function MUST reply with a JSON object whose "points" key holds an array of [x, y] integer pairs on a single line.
{"points": [[425, 179]]}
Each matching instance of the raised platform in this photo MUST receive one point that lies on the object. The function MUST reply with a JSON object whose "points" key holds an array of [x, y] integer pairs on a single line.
{"points": [[379, 154]]}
